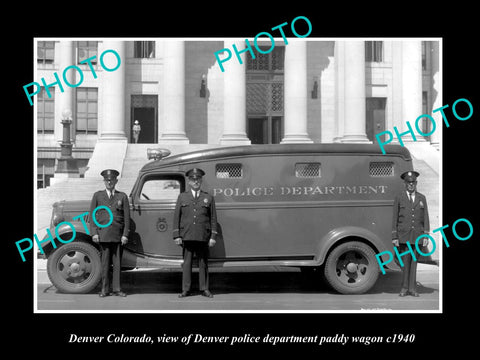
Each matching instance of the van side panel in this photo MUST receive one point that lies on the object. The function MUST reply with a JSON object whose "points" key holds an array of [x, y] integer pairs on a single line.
{"points": [[292, 232], [282, 206]]}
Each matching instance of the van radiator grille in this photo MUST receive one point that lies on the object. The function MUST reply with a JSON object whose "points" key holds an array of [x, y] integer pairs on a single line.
{"points": [[378, 169], [229, 171]]}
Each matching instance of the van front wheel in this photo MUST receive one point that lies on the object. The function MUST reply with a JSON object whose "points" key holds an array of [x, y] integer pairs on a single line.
{"points": [[351, 268], [75, 268]]}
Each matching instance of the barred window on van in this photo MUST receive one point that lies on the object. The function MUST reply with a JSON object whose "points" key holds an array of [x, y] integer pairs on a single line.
{"points": [[307, 170], [379, 169], [229, 171]]}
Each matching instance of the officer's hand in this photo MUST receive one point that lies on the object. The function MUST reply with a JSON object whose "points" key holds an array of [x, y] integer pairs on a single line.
{"points": [[178, 241], [211, 243], [395, 242], [425, 241], [124, 240], [95, 238]]}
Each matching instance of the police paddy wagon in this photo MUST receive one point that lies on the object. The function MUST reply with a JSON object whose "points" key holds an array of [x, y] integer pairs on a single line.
{"points": [[323, 207]]}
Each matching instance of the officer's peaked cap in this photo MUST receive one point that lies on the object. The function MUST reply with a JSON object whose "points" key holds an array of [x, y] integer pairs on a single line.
{"points": [[195, 172], [108, 173], [410, 175]]}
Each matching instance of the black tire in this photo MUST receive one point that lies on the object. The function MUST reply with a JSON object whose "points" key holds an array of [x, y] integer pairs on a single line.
{"points": [[75, 268], [351, 268]]}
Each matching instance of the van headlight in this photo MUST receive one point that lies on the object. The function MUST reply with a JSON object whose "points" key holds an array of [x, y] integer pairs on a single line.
{"points": [[57, 214]]}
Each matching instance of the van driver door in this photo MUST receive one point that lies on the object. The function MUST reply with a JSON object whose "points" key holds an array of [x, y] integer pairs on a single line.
{"points": [[152, 215]]}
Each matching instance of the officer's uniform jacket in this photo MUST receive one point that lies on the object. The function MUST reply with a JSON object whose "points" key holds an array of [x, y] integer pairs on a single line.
{"points": [[195, 219], [409, 220], [120, 209]]}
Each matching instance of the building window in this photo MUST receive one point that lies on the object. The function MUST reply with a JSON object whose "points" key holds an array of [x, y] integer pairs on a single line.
{"points": [[45, 111], [45, 52], [424, 55], [425, 123], [273, 61], [307, 170], [144, 49], [45, 171], [87, 113], [374, 51], [87, 49]]}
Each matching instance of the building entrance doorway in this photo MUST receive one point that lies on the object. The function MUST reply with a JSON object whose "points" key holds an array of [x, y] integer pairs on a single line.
{"points": [[265, 129], [144, 109], [265, 81], [375, 117]]}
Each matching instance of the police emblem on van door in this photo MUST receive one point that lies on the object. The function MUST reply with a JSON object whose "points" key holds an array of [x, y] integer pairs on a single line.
{"points": [[162, 224]]}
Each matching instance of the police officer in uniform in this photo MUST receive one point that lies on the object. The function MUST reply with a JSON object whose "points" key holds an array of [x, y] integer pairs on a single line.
{"points": [[112, 237], [195, 228], [410, 220]]}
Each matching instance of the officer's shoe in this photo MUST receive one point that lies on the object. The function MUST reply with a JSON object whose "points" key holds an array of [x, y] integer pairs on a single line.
{"points": [[184, 294], [207, 293], [119, 293], [414, 293], [403, 293]]}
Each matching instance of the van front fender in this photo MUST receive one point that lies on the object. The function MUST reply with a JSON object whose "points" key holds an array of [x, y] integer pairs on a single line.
{"points": [[335, 236], [67, 232]]}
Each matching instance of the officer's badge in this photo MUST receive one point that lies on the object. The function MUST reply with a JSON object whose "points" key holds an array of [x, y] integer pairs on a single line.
{"points": [[119, 204], [205, 201], [421, 204]]}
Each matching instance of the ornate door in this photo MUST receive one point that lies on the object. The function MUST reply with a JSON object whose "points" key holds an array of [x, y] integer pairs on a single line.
{"points": [[265, 96]]}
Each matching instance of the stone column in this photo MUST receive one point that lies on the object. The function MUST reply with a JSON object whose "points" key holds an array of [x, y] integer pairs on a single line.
{"points": [[339, 90], [354, 90], [113, 99], [174, 93], [234, 98], [437, 94], [111, 147], [411, 87], [64, 101], [295, 93]]}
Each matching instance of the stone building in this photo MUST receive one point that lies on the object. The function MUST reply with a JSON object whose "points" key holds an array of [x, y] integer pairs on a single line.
{"points": [[309, 90]]}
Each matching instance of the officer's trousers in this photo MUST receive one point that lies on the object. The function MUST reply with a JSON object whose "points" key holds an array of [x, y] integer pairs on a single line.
{"points": [[409, 276], [111, 255], [200, 249]]}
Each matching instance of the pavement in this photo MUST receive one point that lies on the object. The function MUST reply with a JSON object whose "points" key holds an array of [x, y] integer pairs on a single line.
{"points": [[274, 289]]}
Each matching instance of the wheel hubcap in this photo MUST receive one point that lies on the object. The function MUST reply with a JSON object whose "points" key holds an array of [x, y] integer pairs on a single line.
{"points": [[352, 267], [75, 267]]}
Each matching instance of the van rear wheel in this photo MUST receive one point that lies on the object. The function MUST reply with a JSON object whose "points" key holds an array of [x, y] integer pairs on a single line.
{"points": [[351, 268]]}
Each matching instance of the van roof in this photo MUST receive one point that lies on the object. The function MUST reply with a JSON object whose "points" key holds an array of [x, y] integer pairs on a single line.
{"points": [[276, 150]]}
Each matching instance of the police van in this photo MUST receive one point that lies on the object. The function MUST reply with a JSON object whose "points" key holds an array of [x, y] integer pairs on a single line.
{"points": [[324, 207]]}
